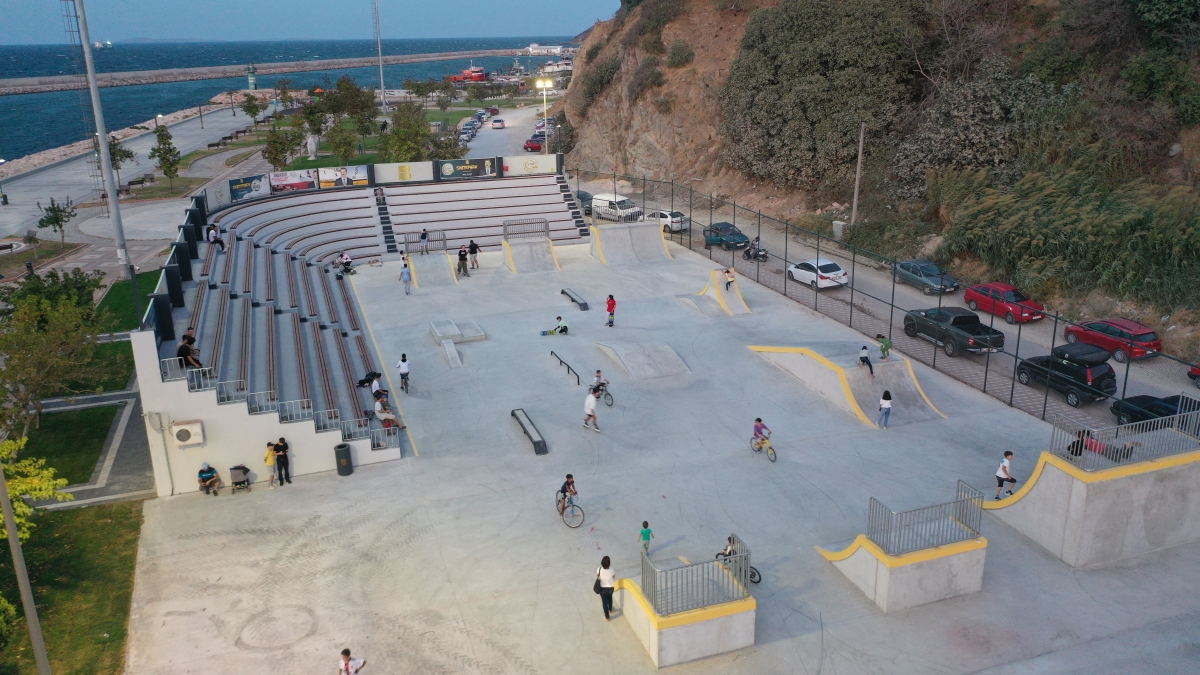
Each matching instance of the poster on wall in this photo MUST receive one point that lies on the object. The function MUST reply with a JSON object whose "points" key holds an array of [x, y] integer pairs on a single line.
{"points": [[343, 176], [250, 187], [218, 195], [403, 172], [528, 165], [450, 169], [286, 181]]}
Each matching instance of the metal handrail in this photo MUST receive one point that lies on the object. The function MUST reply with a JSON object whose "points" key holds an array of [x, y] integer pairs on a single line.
{"points": [[570, 370], [903, 532], [1094, 449], [295, 411], [327, 420], [435, 240], [231, 391], [696, 585], [355, 429], [517, 228], [172, 369], [201, 379], [385, 438], [260, 402]]}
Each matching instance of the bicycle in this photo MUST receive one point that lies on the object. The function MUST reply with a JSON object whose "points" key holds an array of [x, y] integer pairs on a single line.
{"points": [[755, 577], [757, 446], [404, 383], [572, 513], [607, 397]]}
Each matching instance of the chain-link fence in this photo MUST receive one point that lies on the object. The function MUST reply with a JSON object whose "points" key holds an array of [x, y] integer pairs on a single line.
{"points": [[1030, 368]]}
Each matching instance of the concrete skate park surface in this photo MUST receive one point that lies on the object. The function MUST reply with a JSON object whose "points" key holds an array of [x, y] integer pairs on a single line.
{"points": [[455, 560]]}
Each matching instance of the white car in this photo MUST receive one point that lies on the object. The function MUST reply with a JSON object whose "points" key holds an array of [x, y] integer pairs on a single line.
{"points": [[619, 208], [497, 123], [672, 221], [818, 273]]}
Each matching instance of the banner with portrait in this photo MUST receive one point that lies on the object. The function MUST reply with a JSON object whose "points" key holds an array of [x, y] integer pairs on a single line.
{"points": [[528, 165], [403, 172], [287, 181], [343, 176], [250, 187], [452, 169]]}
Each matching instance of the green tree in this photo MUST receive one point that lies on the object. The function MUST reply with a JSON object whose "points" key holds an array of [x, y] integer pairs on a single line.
{"points": [[8, 621], [407, 136], [75, 287], [679, 54], [252, 107], [284, 86], [1164, 14], [596, 80], [445, 144], [510, 91], [475, 92], [166, 155], [444, 100], [119, 154], [56, 216], [28, 479], [343, 142], [808, 72], [282, 144]]}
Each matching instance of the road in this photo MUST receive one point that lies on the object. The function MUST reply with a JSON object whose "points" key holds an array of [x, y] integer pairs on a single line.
{"points": [[518, 127]]}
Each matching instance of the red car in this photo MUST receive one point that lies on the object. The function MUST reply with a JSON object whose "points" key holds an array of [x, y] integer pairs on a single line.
{"points": [[533, 145], [1122, 337], [1194, 375], [1004, 300]]}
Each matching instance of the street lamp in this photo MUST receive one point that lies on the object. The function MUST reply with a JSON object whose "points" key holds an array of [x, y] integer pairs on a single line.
{"points": [[201, 109], [156, 119], [545, 85]]}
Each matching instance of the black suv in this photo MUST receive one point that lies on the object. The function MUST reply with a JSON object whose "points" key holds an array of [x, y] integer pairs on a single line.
{"points": [[1080, 371]]}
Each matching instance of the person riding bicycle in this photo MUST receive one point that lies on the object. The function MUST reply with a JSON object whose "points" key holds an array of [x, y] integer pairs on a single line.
{"points": [[600, 383], [761, 432], [567, 490], [402, 365], [728, 546]]}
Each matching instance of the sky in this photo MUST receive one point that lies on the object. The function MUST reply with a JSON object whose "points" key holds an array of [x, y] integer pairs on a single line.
{"points": [[40, 21]]}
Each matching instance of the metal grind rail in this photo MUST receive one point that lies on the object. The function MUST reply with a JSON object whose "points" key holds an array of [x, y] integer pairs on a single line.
{"points": [[570, 370]]}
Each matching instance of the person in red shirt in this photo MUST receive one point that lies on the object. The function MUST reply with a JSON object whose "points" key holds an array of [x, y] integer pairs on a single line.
{"points": [[612, 310]]}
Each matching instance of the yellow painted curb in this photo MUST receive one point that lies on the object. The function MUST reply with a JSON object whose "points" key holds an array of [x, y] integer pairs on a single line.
{"points": [[919, 389], [508, 253], [841, 373], [893, 561], [386, 370], [599, 243], [411, 270], [684, 618], [450, 262], [553, 254], [663, 234]]}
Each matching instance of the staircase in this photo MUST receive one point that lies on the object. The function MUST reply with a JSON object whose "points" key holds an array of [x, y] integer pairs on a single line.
{"points": [[385, 223], [576, 212]]}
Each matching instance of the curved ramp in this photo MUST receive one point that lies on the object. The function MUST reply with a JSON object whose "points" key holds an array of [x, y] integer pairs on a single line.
{"points": [[433, 269], [645, 360], [530, 255], [729, 300], [833, 373], [627, 243]]}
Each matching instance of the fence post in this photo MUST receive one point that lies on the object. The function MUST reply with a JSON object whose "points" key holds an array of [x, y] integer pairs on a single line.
{"points": [[1128, 360], [691, 221], [987, 363], [733, 251], [853, 267], [1016, 361], [892, 304], [941, 293], [643, 195], [817, 278], [710, 210], [757, 261], [1049, 368], [672, 197], [786, 227]]}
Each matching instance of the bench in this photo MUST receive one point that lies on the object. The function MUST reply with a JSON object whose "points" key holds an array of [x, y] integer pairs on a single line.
{"points": [[576, 298], [535, 437], [214, 145], [137, 181], [147, 178]]}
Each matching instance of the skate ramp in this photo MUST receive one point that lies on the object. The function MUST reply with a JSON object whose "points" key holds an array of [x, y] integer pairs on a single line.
{"points": [[628, 243], [645, 360], [730, 301], [432, 269], [832, 371], [530, 255]]}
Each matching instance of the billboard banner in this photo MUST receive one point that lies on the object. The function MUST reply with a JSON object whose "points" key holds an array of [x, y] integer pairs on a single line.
{"points": [[529, 165], [217, 195], [404, 172], [343, 176], [451, 169], [287, 181], [250, 187]]}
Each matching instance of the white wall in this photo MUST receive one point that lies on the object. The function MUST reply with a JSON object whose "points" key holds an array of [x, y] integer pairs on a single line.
{"points": [[232, 436]]}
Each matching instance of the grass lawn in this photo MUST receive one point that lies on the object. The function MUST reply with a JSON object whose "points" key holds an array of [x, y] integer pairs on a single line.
{"points": [[240, 157], [105, 351], [72, 440], [450, 116], [119, 300], [162, 188], [12, 265], [81, 563]]}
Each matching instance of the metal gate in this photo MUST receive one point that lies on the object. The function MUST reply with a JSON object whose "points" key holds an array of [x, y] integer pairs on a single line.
{"points": [[435, 241], [526, 227]]}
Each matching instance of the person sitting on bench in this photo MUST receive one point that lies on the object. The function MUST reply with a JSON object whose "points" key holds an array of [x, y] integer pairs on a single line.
{"points": [[383, 412]]}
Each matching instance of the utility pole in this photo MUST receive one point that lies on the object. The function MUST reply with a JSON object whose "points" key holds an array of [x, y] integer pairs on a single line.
{"points": [[14, 543], [379, 50], [862, 130]]}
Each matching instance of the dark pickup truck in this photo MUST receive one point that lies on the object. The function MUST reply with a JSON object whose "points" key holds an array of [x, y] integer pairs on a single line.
{"points": [[954, 329]]}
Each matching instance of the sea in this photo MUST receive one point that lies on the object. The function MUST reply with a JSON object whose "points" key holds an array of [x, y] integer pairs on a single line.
{"points": [[31, 123]]}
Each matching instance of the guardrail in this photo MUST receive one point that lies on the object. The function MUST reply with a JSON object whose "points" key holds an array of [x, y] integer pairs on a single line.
{"points": [[518, 228], [715, 582], [262, 402], [385, 438], [172, 369], [937, 525], [231, 391], [201, 379], [295, 411], [327, 420], [1093, 449], [570, 370], [356, 429], [435, 240]]}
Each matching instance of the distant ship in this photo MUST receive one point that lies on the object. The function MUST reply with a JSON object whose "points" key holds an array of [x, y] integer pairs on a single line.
{"points": [[561, 66], [101, 45]]}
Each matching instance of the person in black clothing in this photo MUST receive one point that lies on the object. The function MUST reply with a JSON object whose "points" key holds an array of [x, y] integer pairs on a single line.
{"points": [[282, 468], [462, 262], [188, 355], [473, 249]]}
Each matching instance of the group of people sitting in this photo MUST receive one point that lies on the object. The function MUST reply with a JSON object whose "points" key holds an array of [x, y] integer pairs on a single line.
{"points": [[276, 459], [187, 352], [383, 409]]}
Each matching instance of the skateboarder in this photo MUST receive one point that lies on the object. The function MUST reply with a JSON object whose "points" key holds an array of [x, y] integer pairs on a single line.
{"points": [[612, 310]]}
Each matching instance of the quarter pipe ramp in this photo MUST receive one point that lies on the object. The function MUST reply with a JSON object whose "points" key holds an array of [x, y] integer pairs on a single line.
{"points": [[627, 243], [531, 254], [432, 269]]}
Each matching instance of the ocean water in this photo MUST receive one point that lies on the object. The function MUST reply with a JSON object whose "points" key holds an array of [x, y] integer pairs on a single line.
{"points": [[31, 123]]}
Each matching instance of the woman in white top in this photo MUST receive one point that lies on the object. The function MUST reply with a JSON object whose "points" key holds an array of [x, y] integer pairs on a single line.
{"points": [[885, 409], [607, 579]]}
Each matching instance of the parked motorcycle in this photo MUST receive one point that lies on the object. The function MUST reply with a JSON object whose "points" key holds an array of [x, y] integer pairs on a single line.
{"points": [[759, 254]]}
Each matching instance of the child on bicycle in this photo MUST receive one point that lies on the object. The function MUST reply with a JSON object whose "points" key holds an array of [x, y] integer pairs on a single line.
{"points": [[567, 490], [761, 431]]}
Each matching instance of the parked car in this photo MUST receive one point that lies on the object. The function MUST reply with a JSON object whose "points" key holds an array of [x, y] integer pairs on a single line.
{"points": [[725, 235], [533, 145], [464, 138], [818, 273], [497, 123], [1004, 300], [585, 201], [1122, 337], [925, 275], [1141, 408], [493, 111], [672, 221], [1194, 375], [1081, 372], [541, 135], [616, 207], [954, 329]]}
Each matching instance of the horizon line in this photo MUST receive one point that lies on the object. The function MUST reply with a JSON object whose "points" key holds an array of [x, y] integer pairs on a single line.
{"points": [[182, 40]]}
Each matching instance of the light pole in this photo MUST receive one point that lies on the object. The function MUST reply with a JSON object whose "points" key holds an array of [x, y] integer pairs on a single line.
{"points": [[156, 119], [545, 85], [201, 109]]}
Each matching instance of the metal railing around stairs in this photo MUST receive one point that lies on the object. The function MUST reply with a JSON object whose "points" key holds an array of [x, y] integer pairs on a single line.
{"points": [[356, 428], [714, 582], [327, 420], [295, 411], [262, 402], [385, 438], [937, 525], [231, 391], [518, 228], [435, 240]]}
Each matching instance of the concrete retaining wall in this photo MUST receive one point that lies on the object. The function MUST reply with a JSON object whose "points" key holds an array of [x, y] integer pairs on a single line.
{"points": [[687, 636], [895, 583], [1085, 518]]}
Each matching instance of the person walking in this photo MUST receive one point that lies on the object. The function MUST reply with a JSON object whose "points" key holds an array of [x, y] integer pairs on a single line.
{"points": [[1004, 475], [424, 242], [611, 305], [885, 346], [282, 465], [646, 535], [728, 279], [462, 262], [350, 666], [885, 409], [473, 250], [589, 409], [864, 359], [406, 277], [269, 460], [607, 580]]}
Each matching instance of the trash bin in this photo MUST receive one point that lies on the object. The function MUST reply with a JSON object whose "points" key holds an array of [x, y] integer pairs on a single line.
{"points": [[341, 454]]}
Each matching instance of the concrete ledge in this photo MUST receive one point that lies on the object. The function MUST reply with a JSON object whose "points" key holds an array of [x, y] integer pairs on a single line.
{"points": [[690, 635], [900, 582], [1090, 517]]}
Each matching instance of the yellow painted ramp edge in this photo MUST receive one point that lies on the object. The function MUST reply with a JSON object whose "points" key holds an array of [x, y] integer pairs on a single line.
{"points": [[913, 374], [841, 373], [553, 254], [411, 270], [662, 233], [450, 262], [387, 373], [684, 618], [508, 254], [894, 561], [599, 243]]}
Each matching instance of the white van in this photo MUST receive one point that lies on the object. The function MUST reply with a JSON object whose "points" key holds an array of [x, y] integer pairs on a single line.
{"points": [[608, 206]]}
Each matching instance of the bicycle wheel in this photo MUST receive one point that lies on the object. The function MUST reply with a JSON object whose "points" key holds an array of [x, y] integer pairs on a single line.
{"points": [[771, 452], [754, 447], [755, 577], [608, 399], [573, 516]]}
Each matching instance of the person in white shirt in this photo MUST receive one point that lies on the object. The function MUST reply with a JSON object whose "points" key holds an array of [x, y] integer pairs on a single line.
{"points": [[214, 237], [599, 383], [402, 365], [608, 580], [1004, 476], [589, 409], [383, 413], [349, 666], [377, 385], [885, 409]]}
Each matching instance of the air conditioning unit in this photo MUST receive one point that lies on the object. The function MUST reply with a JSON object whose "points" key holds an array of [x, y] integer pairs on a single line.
{"points": [[188, 433]]}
